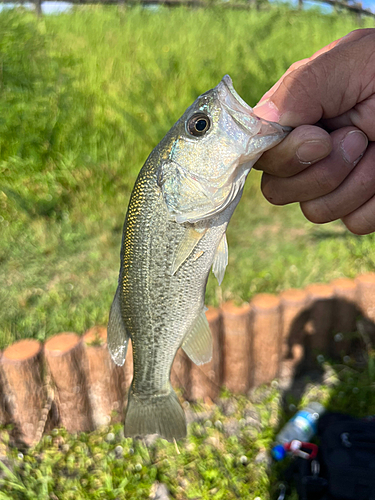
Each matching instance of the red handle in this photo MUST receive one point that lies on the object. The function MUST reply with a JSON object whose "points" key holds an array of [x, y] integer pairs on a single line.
{"points": [[301, 449]]}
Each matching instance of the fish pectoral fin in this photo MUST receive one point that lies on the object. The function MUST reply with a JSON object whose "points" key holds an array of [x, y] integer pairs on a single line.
{"points": [[117, 336], [192, 198], [186, 196], [221, 259], [198, 343], [186, 246]]}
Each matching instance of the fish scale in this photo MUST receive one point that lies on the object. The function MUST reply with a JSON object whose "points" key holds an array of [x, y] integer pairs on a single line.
{"points": [[174, 232]]}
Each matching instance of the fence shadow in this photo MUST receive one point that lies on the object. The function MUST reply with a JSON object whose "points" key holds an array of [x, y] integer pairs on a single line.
{"points": [[333, 329], [329, 333]]}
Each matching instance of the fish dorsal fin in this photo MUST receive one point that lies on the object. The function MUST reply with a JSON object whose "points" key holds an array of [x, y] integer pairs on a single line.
{"points": [[117, 336], [221, 259], [186, 246], [198, 343]]}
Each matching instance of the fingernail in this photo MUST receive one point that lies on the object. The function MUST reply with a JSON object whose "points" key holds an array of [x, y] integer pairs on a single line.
{"points": [[353, 146], [267, 109], [312, 151]]}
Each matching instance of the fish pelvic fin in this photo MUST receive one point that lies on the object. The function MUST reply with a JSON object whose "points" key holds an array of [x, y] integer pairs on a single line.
{"points": [[198, 343], [117, 336], [159, 414], [221, 259]]}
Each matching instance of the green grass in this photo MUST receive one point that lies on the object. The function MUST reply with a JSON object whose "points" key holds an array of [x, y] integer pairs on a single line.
{"points": [[84, 98]]}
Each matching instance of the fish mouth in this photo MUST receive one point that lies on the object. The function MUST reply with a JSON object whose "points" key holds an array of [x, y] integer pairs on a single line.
{"points": [[244, 115]]}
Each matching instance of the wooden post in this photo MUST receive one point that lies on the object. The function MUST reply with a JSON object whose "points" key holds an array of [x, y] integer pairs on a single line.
{"points": [[320, 301], [38, 7], [104, 378], [236, 347], [366, 302], [346, 309], [267, 341], [294, 316], [366, 295], [345, 313], [359, 13], [22, 364], [65, 357], [205, 380]]}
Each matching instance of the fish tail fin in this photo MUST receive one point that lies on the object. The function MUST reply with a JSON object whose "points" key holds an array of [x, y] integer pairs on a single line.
{"points": [[159, 414]]}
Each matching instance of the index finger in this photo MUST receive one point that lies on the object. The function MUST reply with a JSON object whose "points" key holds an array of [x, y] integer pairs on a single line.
{"points": [[327, 85]]}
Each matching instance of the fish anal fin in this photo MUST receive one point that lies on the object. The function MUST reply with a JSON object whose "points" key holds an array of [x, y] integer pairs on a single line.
{"points": [[117, 336], [198, 343], [189, 241], [221, 259]]}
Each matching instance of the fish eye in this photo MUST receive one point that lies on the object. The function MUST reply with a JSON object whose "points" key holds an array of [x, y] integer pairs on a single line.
{"points": [[198, 124]]}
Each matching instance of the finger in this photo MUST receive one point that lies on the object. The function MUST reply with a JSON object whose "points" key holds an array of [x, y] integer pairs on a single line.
{"points": [[348, 145], [362, 220], [293, 67], [304, 146], [326, 86], [353, 192], [361, 116]]}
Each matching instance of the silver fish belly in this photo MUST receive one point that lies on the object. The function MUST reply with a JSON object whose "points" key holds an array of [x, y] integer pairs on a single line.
{"points": [[174, 233]]}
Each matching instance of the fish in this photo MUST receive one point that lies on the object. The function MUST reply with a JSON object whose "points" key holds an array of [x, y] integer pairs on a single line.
{"points": [[174, 233]]}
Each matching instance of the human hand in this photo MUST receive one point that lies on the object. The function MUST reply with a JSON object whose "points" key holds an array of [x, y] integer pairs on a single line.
{"points": [[326, 163]]}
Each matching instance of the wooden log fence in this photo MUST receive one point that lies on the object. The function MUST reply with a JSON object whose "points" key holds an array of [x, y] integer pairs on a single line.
{"points": [[72, 381]]}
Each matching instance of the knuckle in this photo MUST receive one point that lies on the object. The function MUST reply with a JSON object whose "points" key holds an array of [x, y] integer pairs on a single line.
{"points": [[310, 213], [361, 32], [359, 224], [314, 71], [352, 226], [293, 66], [318, 211], [296, 65], [270, 190], [267, 189], [325, 181], [306, 78]]}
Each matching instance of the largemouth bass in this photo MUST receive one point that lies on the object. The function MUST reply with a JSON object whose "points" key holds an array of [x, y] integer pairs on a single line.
{"points": [[174, 232]]}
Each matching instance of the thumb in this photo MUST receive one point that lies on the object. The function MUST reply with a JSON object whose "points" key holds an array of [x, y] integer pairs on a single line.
{"points": [[325, 86]]}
